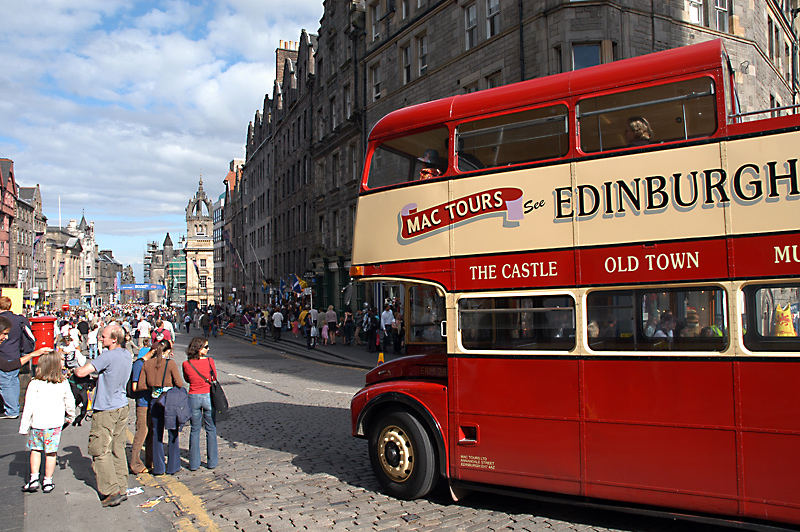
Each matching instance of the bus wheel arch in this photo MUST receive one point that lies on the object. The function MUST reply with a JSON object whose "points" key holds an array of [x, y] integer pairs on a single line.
{"points": [[402, 454]]}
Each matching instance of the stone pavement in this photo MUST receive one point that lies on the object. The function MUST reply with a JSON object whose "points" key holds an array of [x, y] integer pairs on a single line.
{"points": [[339, 354]]}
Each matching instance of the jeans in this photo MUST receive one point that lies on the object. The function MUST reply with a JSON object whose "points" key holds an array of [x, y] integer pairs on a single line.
{"points": [[9, 389], [200, 403], [173, 458]]}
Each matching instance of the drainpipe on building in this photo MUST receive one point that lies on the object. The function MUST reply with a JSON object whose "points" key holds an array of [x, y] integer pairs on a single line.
{"points": [[794, 12], [521, 44]]}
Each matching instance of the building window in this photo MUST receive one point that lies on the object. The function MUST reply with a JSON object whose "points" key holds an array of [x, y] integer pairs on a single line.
{"points": [[788, 70], [404, 9], [471, 25], [422, 54], [585, 55], [405, 60], [202, 263], [374, 16], [492, 18], [375, 80], [696, 11], [471, 87], [494, 80], [348, 101], [354, 170], [558, 66], [202, 281], [770, 42], [334, 118], [721, 15]]}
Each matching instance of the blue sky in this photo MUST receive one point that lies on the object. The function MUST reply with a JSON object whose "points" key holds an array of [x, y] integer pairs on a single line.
{"points": [[117, 107]]}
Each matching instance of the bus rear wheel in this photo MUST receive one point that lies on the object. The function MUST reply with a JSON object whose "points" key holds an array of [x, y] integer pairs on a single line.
{"points": [[402, 456]]}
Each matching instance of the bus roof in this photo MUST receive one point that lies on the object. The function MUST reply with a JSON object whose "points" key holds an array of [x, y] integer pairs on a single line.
{"points": [[687, 59]]}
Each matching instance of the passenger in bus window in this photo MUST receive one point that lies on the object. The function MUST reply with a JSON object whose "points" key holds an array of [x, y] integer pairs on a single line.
{"points": [[593, 329], [666, 327], [432, 164], [638, 132]]}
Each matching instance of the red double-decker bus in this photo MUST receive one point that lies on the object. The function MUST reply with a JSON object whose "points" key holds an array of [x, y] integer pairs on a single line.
{"points": [[598, 277]]}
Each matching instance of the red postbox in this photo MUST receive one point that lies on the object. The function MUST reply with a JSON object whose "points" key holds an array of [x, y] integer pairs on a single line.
{"points": [[42, 327]]}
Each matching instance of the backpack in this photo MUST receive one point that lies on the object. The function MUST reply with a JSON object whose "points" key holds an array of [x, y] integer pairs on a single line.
{"points": [[27, 342]]}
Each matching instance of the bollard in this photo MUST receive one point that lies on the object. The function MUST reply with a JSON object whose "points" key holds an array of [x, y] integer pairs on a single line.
{"points": [[380, 358], [255, 342]]}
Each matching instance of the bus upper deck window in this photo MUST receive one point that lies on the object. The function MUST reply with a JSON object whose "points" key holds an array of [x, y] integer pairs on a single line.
{"points": [[674, 111], [418, 156], [530, 135]]}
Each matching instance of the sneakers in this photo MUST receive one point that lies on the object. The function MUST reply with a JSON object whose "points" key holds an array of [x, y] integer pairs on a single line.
{"points": [[6, 416], [31, 487], [111, 500]]}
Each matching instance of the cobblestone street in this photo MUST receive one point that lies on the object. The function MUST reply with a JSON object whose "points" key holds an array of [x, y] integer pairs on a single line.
{"points": [[287, 461]]}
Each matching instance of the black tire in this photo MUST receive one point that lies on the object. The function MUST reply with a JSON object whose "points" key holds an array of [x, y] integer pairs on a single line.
{"points": [[402, 456]]}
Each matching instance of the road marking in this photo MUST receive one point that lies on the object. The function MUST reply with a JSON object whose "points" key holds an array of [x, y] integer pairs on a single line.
{"points": [[330, 391], [194, 517], [249, 378]]}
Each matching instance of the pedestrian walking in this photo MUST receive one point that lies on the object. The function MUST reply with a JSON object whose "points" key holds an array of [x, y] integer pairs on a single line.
{"points": [[107, 436], [10, 351], [143, 434], [91, 340], [330, 318], [160, 373], [199, 370], [49, 405], [187, 322], [277, 324]]}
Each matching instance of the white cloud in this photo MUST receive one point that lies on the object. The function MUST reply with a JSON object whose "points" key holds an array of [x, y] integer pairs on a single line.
{"points": [[118, 107]]}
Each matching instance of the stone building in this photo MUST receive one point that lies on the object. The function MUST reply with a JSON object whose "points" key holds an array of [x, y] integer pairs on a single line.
{"points": [[107, 282], [372, 57], [36, 277], [8, 209], [156, 260], [226, 262], [22, 239], [199, 249], [63, 266]]}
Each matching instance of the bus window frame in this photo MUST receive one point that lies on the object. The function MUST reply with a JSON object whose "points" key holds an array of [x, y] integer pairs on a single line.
{"points": [[636, 289], [748, 307], [720, 112], [571, 136], [376, 142], [574, 351]]}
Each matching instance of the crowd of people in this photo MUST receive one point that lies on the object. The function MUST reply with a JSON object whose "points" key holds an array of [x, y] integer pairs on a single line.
{"points": [[374, 329], [104, 357]]}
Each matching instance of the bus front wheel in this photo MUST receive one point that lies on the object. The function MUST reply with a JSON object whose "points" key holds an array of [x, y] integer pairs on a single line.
{"points": [[402, 456]]}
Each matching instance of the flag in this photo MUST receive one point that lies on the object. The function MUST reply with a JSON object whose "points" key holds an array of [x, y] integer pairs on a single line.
{"points": [[296, 283], [283, 288], [196, 268], [36, 240], [264, 285]]}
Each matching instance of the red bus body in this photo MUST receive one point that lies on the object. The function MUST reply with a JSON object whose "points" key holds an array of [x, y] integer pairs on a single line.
{"points": [[713, 433]]}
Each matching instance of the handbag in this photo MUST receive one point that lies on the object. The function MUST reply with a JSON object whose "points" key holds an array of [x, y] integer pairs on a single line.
{"points": [[158, 393], [219, 403]]}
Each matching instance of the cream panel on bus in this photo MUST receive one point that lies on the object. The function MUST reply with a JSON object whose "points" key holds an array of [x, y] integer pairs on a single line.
{"points": [[653, 196], [400, 224], [763, 183], [508, 211]]}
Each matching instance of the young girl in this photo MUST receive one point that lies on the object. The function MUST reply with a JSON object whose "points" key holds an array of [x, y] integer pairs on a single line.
{"points": [[47, 400], [325, 334]]}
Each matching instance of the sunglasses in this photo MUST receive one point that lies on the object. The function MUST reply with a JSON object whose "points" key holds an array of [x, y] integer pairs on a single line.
{"points": [[204, 347]]}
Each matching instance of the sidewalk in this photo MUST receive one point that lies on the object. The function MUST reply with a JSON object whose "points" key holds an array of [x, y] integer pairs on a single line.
{"points": [[15, 468], [339, 354]]}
